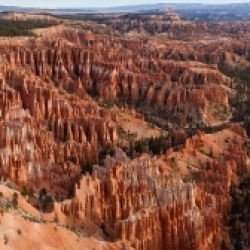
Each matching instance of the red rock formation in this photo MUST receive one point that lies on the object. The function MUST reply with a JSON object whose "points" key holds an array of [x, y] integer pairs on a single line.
{"points": [[50, 127], [140, 204], [123, 73], [47, 134]]}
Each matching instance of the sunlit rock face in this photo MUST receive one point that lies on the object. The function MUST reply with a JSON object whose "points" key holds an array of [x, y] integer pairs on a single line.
{"points": [[139, 201]]}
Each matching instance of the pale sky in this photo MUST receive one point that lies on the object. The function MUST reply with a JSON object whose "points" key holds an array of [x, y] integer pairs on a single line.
{"points": [[99, 3]]}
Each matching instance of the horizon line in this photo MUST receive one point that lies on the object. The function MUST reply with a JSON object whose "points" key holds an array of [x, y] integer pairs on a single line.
{"points": [[122, 6]]}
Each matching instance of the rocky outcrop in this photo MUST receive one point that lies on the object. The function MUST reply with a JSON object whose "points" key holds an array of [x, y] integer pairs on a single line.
{"points": [[139, 201], [47, 135], [145, 208]]}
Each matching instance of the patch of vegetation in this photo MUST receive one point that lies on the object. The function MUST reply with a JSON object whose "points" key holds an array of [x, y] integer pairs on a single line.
{"points": [[56, 218], [106, 150], [27, 192], [15, 200], [236, 73], [45, 201], [240, 215], [5, 239], [11, 28], [87, 167], [240, 81], [247, 126], [125, 135], [154, 145], [19, 231]]}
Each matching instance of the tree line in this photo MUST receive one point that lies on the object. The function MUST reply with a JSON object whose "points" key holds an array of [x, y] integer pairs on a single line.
{"points": [[11, 28], [239, 222]]}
